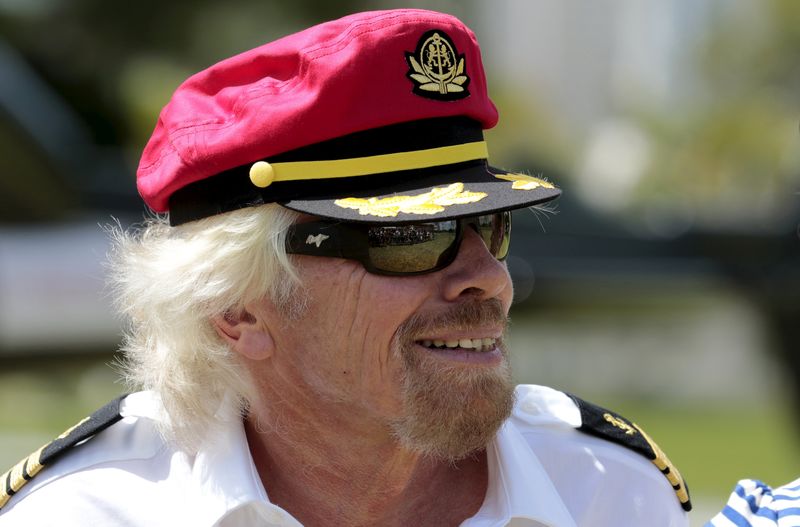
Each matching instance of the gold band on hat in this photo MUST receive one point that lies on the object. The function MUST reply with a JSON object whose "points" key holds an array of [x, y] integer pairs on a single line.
{"points": [[263, 174]]}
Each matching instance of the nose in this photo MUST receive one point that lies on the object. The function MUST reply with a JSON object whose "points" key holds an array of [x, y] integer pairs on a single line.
{"points": [[476, 273]]}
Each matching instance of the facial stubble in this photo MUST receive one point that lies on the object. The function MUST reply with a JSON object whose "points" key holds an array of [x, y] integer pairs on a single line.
{"points": [[452, 410]]}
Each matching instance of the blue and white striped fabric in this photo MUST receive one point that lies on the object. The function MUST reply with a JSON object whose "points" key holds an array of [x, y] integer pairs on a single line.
{"points": [[755, 504]]}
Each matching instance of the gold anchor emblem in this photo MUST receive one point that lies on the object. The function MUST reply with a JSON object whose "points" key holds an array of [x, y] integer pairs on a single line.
{"points": [[437, 69], [619, 423]]}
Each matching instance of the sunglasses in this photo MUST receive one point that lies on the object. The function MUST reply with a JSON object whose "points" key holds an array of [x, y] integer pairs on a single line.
{"points": [[408, 249]]}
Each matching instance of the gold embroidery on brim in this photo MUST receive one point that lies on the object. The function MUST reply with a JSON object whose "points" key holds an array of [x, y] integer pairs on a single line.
{"points": [[428, 203], [667, 468], [524, 182], [619, 423]]}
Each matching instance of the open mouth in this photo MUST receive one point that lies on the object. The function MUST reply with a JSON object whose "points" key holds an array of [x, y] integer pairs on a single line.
{"points": [[477, 344]]}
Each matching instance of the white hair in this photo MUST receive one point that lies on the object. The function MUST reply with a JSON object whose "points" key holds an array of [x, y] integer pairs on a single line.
{"points": [[168, 282]]}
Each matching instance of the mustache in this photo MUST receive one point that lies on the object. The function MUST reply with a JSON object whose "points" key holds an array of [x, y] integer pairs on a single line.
{"points": [[463, 316]]}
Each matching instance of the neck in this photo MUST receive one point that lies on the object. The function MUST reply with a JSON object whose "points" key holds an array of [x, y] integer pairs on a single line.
{"points": [[327, 464]]}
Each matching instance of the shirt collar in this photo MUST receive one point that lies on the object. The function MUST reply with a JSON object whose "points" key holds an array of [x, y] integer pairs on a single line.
{"points": [[229, 480], [519, 487]]}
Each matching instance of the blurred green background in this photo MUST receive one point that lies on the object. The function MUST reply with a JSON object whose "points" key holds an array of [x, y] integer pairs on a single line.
{"points": [[665, 285]]}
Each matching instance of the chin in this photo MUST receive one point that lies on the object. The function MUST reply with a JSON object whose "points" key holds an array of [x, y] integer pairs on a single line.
{"points": [[450, 411]]}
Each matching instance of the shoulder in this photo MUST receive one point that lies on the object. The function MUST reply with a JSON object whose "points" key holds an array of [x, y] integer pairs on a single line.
{"points": [[753, 502], [59, 474], [565, 426]]}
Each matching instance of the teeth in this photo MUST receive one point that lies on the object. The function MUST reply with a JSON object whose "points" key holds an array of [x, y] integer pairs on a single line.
{"points": [[484, 344]]}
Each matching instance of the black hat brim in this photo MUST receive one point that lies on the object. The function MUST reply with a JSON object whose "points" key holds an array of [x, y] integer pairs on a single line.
{"points": [[495, 190]]}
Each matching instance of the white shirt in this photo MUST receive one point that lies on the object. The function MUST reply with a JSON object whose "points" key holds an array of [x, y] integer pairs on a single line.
{"points": [[542, 473]]}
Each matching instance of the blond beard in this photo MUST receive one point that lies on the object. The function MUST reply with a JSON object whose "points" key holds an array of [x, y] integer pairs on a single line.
{"points": [[451, 411]]}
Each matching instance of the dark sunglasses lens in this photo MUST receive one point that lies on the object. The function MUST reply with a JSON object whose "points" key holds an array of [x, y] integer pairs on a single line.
{"points": [[495, 230], [410, 248]]}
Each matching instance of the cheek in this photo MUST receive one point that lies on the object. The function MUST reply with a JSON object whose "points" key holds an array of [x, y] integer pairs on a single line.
{"points": [[378, 314], [350, 320], [383, 311], [389, 303], [378, 308]]}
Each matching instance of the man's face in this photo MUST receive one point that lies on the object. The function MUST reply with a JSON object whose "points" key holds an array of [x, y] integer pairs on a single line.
{"points": [[421, 356]]}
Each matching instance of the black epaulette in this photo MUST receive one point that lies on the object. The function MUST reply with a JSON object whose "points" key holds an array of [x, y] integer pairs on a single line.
{"points": [[613, 427], [21, 473]]}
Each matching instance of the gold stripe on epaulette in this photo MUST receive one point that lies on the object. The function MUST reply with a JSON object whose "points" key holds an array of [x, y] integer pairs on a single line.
{"points": [[34, 463], [667, 468], [4, 496], [22, 472], [69, 430], [19, 475], [18, 478]]}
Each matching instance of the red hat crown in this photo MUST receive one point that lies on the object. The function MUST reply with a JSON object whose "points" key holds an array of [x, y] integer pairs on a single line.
{"points": [[331, 80]]}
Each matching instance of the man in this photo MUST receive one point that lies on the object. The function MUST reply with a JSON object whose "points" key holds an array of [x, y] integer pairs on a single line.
{"points": [[320, 326]]}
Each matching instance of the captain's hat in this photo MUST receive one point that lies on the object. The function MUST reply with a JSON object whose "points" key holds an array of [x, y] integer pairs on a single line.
{"points": [[375, 117]]}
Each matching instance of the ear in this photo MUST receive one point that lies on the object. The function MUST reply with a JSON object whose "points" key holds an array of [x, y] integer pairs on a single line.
{"points": [[245, 334]]}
